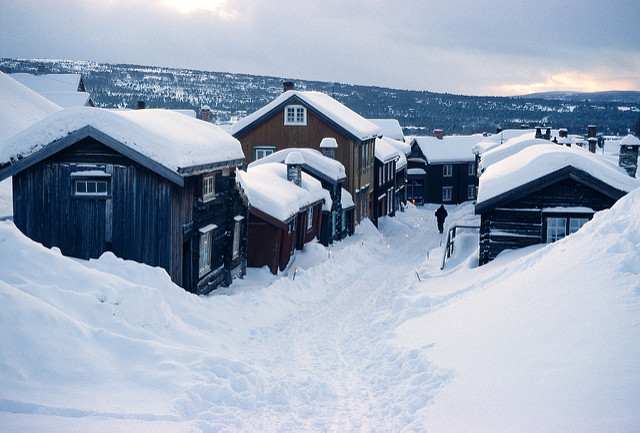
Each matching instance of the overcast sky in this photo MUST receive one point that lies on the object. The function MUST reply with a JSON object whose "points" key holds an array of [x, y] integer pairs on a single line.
{"points": [[472, 47]]}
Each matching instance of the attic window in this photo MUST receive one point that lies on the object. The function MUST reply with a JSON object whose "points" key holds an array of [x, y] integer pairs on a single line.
{"points": [[295, 115], [208, 188], [93, 183]]}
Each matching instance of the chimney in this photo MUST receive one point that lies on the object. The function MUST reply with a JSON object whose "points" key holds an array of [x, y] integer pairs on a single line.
{"points": [[287, 85], [141, 105], [205, 113], [328, 147], [294, 161], [42, 69], [591, 131], [563, 133], [593, 141], [538, 132], [628, 158], [438, 133]]}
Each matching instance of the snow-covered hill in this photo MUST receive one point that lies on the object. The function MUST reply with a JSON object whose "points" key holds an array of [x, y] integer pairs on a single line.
{"points": [[543, 339]]}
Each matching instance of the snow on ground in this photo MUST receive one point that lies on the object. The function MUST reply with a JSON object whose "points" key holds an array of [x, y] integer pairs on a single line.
{"points": [[543, 339]]}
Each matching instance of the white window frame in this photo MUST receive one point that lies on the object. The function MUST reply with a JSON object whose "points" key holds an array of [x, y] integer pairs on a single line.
{"points": [[447, 170], [295, 115], [472, 169], [447, 193], [208, 187], [576, 223], [204, 252], [556, 228], [91, 184], [310, 219], [262, 151], [471, 192]]}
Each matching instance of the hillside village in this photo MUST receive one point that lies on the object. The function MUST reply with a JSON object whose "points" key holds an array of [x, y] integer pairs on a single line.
{"points": [[213, 207]]}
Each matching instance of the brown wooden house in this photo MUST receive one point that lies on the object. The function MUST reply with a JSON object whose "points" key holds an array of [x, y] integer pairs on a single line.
{"points": [[301, 119], [285, 211], [152, 186]]}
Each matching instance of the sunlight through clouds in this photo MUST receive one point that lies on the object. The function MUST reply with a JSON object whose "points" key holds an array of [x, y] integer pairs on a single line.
{"points": [[219, 7], [567, 81]]}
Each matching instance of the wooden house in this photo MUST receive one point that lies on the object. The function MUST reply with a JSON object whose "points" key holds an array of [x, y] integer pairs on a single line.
{"points": [[285, 211], [543, 193], [390, 165], [301, 119], [152, 186], [442, 169], [331, 175]]}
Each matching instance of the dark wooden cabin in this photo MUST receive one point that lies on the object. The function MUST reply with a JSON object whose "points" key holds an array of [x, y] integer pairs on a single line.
{"points": [[152, 186], [442, 169], [525, 210], [284, 215], [300, 119], [384, 184]]}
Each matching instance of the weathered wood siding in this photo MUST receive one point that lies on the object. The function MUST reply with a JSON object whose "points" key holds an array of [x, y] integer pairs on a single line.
{"points": [[520, 223]]}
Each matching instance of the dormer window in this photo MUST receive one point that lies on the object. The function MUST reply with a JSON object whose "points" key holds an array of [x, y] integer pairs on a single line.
{"points": [[295, 115]]}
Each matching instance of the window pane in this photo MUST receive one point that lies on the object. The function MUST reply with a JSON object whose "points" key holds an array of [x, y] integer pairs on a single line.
{"points": [[101, 187], [576, 223], [81, 187], [91, 187], [556, 229]]}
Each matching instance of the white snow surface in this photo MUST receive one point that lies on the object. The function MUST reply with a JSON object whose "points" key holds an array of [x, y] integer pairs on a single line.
{"points": [[61, 89], [494, 140], [385, 152], [268, 190], [451, 148], [21, 107], [169, 138], [346, 200], [630, 140], [329, 167], [389, 128], [325, 104], [509, 148], [354, 343], [541, 159]]}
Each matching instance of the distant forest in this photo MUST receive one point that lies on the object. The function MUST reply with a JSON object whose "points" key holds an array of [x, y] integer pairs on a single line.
{"points": [[419, 112]]}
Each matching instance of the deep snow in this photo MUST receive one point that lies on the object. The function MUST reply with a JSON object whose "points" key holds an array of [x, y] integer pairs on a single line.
{"points": [[542, 339]]}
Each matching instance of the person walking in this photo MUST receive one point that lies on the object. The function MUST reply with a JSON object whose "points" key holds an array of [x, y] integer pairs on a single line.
{"points": [[441, 215]]}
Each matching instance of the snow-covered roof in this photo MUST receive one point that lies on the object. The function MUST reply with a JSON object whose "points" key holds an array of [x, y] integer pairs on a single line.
{"points": [[494, 140], [346, 200], [540, 160], [511, 147], [451, 148], [630, 140], [174, 141], [313, 160], [389, 128], [343, 116], [269, 191], [62, 89], [20, 107], [384, 151]]}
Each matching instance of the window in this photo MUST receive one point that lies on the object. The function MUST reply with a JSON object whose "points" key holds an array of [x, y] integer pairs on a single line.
{"points": [[310, 219], [262, 151], [91, 187], [556, 229], [471, 192], [204, 265], [208, 187], [447, 192], [295, 115], [576, 223], [380, 176], [447, 170], [472, 169]]}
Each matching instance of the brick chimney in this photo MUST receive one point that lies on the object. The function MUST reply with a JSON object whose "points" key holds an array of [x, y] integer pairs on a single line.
{"points": [[328, 147], [438, 133], [205, 113], [288, 85], [141, 105], [294, 161], [628, 158]]}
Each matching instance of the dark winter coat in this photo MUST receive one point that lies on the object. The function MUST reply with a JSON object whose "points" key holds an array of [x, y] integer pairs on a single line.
{"points": [[441, 214]]}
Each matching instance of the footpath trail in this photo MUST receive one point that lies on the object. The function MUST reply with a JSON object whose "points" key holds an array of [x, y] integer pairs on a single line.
{"points": [[332, 367]]}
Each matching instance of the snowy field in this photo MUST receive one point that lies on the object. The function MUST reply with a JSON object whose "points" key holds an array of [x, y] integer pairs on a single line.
{"points": [[542, 339]]}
